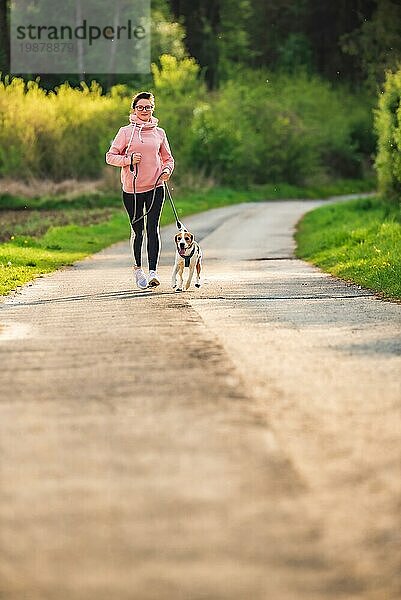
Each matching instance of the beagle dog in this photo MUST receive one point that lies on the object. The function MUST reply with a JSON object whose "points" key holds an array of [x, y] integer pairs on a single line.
{"points": [[189, 255]]}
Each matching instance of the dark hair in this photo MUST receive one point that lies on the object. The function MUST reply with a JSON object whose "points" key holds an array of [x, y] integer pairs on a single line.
{"points": [[145, 95]]}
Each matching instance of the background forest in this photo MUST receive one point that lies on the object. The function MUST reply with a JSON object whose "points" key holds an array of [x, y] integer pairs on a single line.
{"points": [[249, 91]]}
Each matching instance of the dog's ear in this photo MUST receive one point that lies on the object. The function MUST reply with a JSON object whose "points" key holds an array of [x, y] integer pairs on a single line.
{"points": [[192, 237]]}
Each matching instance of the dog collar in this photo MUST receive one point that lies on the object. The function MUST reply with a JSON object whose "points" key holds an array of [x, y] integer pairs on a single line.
{"points": [[188, 258]]}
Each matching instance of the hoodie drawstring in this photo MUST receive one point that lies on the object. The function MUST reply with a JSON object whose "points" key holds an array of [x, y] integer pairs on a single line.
{"points": [[132, 136], [130, 140], [140, 133]]}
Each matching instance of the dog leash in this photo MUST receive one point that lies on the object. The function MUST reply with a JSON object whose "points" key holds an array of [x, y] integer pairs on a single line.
{"points": [[178, 222], [134, 170]]}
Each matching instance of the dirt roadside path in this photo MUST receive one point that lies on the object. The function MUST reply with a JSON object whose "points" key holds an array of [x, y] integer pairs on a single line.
{"points": [[240, 442]]}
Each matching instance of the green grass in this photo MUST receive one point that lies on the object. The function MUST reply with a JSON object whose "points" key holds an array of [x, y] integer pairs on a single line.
{"points": [[359, 241], [216, 196], [35, 223], [93, 200], [29, 252], [26, 257]]}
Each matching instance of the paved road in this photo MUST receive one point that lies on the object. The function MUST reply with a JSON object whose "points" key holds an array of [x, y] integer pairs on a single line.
{"points": [[240, 442]]}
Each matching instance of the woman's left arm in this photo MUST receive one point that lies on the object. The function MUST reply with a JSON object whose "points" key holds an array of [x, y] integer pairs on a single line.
{"points": [[166, 156]]}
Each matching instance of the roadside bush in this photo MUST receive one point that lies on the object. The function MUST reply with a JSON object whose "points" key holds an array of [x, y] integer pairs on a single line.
{"points": [[58, 134], [257, 128], [264, 127], [178, 89], [388, 128], [65, 133], [335, 121]]}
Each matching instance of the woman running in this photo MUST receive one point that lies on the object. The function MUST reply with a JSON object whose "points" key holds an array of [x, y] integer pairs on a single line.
{"points": [[142, 149]]}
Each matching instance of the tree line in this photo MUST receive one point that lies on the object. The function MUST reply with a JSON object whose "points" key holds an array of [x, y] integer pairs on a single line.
{"points": [[351, 41], [348, 40]]}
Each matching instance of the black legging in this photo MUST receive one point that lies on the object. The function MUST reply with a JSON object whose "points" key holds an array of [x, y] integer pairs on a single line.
{"points": [[143, 201]]}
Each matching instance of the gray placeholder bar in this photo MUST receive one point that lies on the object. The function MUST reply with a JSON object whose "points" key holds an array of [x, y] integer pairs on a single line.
{"points": [[80, 36]]}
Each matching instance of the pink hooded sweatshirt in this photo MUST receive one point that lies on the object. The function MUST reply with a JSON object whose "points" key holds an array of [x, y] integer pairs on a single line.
{"points": [[151, 141]]}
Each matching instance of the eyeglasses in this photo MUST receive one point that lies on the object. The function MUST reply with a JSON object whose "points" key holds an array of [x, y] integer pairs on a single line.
{"points": [[148, 107]]}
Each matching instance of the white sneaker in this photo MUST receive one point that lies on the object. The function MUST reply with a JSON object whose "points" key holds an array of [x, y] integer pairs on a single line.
{"points": [[140, 279], [154, 280]]}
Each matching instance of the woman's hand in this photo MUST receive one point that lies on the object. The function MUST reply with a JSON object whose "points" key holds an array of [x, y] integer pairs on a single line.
{"points": [[136, 157], [165, 175]]}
